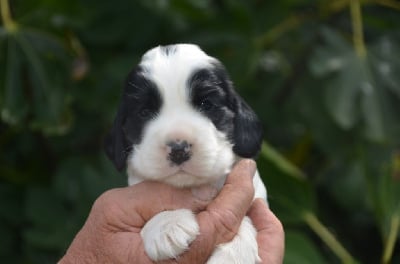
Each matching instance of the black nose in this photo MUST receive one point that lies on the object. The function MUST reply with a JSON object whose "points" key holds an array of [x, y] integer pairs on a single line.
{"points": [[179, 151]]}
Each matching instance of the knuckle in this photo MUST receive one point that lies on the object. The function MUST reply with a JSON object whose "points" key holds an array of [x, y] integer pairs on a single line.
{"points": [[226, 224], [279, 227], [105, 200], [105, 208]]}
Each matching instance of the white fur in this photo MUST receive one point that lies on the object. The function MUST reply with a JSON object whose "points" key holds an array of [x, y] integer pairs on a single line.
{"points": [[169, 233], [212, 154], [242, 249]]}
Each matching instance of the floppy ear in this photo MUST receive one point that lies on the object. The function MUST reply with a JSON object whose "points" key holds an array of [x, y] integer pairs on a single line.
{"points": [[115, 144], [248, 130]]}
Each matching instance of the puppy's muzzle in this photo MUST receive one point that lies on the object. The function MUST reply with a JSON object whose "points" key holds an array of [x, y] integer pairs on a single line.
{"points": [[179, 151]]}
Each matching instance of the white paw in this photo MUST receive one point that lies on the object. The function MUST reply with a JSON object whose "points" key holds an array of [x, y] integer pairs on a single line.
{"points": [[243, 248], [168, 234]]}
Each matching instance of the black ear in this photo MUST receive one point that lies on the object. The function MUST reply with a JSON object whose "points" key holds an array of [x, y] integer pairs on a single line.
{"points": [[115, 144], [248, 130]]}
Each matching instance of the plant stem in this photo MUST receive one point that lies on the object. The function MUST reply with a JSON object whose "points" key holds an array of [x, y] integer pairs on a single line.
{"points": [[278, 30], [8, 22], [391, 240], [358, 33], [329, 239], [280, 161]]}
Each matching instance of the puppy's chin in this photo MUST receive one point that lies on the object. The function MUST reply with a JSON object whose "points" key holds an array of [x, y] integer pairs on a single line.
{"points": [[179, 178], [185, 179]]}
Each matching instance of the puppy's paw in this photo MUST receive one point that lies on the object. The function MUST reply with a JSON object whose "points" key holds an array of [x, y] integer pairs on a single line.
{"points": [[243, 248], [168, 234]]}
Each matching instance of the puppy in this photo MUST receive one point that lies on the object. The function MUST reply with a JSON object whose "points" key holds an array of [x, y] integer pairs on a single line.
{"points": [[181, 122]]}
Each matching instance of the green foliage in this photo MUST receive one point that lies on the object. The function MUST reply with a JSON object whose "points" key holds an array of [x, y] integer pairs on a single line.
{"points": [[34, 81], [300, 249], [324, 76], [361, 86]]}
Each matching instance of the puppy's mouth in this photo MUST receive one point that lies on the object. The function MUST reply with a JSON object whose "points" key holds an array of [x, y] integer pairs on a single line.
{"points": [[181, 171], [185, 178]]}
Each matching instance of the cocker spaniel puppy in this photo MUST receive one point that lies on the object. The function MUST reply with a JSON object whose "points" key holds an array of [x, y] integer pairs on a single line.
{"points": [[181, 122]]}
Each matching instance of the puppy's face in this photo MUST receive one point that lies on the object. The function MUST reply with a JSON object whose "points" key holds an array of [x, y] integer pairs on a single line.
{"points": [[180, 121]]}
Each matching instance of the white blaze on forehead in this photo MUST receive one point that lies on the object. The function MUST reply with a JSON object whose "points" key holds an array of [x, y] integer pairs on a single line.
{"points": [[171, 70]]}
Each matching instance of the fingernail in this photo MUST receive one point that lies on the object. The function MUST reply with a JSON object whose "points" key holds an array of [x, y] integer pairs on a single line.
{"points": [[205, 193], [250, 166]]}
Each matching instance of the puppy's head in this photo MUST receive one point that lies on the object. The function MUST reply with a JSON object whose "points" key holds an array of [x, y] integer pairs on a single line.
{"points": [[180, 120]]}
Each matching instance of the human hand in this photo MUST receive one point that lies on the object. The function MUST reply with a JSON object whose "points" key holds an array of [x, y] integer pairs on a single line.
{"points": [[111, 233], [270, 233]]}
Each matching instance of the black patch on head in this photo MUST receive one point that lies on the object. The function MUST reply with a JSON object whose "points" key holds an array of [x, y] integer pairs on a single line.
{"points": [[140, 102], [208, 94], [212, 93], [168, 50]]}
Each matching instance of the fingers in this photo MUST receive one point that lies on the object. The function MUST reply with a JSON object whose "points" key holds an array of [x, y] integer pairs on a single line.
{"points": [[131, 207], [135, 205], [233, 202], [270, 233], [220, 221]]}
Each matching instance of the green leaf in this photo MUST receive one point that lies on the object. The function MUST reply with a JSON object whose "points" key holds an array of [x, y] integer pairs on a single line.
{"points": [[372, 108], [289, 193], [342, 93], [35, 82], [338, 60], [354, 96], [332, 57], [384, 182], [299, 249], [384, 188], [326, 61], [335, 40], [14, 107], [39, 78], [384, 56], [384, 193]]}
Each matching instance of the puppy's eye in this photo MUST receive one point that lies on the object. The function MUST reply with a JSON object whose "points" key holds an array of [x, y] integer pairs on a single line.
{"points": [[206, 105]]}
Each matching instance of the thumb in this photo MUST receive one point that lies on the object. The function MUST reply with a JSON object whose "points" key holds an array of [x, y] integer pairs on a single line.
{"points": [[270, 233]]}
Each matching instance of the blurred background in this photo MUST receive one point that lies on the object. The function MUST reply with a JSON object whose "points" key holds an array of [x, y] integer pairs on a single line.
{"points": [[323, 75]]}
